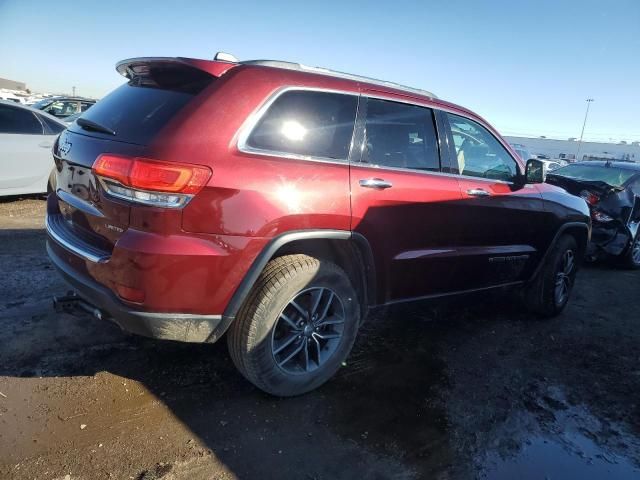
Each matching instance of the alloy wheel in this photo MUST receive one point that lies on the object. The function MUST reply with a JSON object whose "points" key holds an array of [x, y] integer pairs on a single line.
{"points": [[308, 330], [564, 277], [635, 250]]}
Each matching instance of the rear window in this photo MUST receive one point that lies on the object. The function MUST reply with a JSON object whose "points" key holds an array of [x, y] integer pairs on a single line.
{"points": [[616, 177], [139, 109], [19, 120], [314, 124]]}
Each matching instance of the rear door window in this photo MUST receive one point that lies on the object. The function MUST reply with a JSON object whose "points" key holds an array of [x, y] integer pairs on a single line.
{"points": [[19, 120], [139, 109], [400, 135], [307, 123]]}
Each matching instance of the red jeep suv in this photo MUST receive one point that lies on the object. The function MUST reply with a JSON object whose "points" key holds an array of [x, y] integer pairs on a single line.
{"points": [[279, 203]]}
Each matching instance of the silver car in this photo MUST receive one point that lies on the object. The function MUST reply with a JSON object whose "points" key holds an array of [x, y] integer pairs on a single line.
{"points": [[26, 138]]}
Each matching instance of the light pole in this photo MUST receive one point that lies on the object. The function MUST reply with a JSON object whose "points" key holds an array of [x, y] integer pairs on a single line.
{"points": [[74, 91], [589, 100]]}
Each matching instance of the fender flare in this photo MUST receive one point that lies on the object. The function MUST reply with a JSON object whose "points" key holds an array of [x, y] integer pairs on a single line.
{"points": [[267, 253], [563, 228]]}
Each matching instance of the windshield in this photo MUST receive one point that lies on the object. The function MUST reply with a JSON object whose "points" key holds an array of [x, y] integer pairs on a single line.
{"points": [[42, 103], [616, 177]]}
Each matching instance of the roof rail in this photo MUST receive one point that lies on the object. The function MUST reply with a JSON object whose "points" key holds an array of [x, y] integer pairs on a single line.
{"points": [[333, 73]]}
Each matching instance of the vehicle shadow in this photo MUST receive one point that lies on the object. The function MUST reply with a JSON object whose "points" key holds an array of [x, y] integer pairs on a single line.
{"points": [[382, 412], [381, 417]]}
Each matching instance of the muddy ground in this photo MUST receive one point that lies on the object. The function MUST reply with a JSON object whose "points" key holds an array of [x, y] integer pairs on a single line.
{"points": [[469, 388]]}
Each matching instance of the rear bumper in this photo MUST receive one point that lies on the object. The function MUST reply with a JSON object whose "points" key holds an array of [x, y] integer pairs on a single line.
{"points": [[168, 270], [181, 327]]}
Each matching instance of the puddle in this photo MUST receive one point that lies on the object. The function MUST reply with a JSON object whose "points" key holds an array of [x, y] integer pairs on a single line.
{"points": [[545, 459], [573, 444]]}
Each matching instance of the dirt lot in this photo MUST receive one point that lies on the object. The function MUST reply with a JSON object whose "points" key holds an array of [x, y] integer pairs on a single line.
{"points": [[470, 388]]}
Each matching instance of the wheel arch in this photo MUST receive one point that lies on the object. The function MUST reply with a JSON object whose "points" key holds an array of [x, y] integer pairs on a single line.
{"points": [[580, 231], [350, 251]]}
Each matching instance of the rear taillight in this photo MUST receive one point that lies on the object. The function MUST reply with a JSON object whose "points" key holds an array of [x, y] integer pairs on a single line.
{"points": [[590, 197], [151, 182]]}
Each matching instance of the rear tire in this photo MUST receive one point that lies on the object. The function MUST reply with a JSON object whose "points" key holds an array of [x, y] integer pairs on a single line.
{"points": [[52, 184], [631, 258], [549, 293], [279, 341]]}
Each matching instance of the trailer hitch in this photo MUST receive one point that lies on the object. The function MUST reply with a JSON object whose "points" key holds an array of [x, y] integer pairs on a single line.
{"points": [[71, 303]]}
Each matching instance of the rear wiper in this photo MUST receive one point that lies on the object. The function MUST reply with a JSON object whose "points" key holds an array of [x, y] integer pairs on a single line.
{"points": [[89, 125]]}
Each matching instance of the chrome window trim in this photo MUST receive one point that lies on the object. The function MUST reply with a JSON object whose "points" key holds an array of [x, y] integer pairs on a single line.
{"points": [[442, 109], [252, 121], [435, 129], [343, 75], [426, 172]]}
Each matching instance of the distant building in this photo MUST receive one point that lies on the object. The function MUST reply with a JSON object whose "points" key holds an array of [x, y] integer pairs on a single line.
{"points": [[12, 84], [568, 149]]}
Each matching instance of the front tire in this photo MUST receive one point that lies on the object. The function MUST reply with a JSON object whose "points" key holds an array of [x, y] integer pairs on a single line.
{"points": [[297, 326], [549, 293], [631, 258]]}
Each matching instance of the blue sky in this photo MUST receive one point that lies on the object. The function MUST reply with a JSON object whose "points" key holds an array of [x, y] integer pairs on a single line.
{"points": [[526, 66]]}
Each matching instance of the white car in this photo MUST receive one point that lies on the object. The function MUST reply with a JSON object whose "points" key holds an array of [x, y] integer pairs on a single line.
{"points": [[26, 138]]}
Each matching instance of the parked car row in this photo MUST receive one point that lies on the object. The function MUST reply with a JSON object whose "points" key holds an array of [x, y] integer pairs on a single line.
{"points": [[63, 107]]}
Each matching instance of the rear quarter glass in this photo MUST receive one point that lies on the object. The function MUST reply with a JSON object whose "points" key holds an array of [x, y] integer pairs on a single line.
{"points": [[139, 109]]}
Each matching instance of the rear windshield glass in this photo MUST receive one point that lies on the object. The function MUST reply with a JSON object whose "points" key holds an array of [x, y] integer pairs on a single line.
{"points": [[616, 177], [138, 110]]}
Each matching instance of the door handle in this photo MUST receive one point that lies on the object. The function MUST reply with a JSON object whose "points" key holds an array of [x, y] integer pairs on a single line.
{"points": [[478, 192], [45, 144], [375, 183]]}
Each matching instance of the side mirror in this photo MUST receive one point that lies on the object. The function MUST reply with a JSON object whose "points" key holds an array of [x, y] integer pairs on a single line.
{"points": [[535, 171]]}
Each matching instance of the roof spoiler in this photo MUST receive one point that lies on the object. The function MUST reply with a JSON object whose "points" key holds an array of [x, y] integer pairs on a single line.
{"points": [[131, 67]]}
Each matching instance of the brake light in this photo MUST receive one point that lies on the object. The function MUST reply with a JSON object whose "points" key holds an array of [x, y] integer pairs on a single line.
{"points": [[152, 182], [153, 175], [590, 197]]}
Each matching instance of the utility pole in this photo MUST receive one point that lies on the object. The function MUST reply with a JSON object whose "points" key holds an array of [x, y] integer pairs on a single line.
{"points": [[74, 91], [589, 100]]}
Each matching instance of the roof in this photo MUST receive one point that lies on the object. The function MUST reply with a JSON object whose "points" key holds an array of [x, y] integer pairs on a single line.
{"points": [[332, 73], [127, 68]]}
